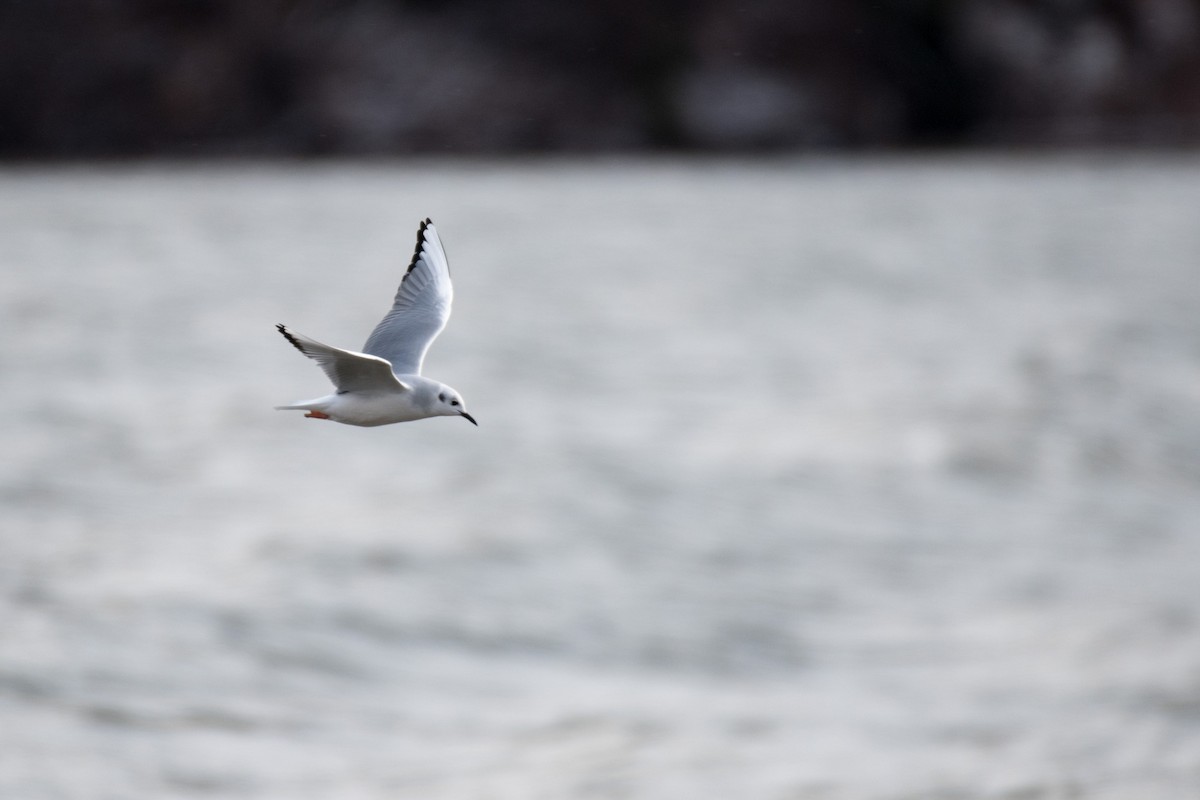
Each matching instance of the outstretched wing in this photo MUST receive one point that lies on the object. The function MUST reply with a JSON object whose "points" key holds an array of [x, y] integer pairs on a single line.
{"points": [[349, 371], [420, 310]]}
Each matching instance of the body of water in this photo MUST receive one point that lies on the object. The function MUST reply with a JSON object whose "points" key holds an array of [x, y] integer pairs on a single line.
{"points": [[793, 480]]}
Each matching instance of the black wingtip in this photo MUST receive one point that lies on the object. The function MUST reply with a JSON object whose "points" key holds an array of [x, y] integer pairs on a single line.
{"points": [[288, 335], [425, 223]]}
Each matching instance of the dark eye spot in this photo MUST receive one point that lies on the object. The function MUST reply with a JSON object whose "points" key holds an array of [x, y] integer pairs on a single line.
{"points": [[453, 402], [442, 397]]}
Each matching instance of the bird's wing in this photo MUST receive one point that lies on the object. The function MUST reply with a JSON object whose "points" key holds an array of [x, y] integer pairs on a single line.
{"points": [[420, 310], [349, 371]]}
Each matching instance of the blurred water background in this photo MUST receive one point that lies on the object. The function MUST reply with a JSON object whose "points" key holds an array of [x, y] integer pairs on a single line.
{"points": [[800, 478]]}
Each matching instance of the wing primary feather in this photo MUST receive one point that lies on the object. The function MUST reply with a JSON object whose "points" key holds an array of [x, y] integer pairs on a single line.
{"points": [[420, 306], [425, 223], [347, 370], [288, 335]]}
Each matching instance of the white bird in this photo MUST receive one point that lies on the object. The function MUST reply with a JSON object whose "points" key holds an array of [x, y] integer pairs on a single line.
{"points": [[383, 384]]}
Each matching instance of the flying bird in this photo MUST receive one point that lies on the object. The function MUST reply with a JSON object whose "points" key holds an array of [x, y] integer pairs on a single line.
{"points": [[383, 384]]}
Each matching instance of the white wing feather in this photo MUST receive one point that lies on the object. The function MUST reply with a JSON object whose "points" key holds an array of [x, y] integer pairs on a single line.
{"points": [[349, 371], [420, 310]]}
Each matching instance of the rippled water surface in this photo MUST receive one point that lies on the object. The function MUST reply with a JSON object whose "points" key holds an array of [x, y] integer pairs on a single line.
{"points": [[794, 480]]}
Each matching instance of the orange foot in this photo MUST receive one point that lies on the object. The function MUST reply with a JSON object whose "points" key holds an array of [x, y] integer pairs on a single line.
{"points": [[317, 415]]}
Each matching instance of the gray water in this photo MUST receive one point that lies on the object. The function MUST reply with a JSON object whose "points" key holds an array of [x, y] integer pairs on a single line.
{"points": [[795, 480]]}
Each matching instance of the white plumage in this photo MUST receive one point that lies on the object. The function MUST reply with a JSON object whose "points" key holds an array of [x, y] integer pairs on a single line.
{"points": [[383, 384]]}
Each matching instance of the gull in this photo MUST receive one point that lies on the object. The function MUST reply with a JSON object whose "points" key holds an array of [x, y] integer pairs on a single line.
{"points": [[383, 384]]}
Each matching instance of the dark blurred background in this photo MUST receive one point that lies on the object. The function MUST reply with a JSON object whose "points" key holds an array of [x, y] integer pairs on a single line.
{"points": [[104, 78]]}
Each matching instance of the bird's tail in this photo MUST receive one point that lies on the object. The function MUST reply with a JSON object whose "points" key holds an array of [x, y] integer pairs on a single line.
{"points": [[306, 405]]}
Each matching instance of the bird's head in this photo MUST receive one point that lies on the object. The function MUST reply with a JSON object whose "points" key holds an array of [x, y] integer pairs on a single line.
{"points": [[449, 403]]}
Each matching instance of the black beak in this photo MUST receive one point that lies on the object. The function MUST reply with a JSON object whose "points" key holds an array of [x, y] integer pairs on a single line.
{"points": [[469, 418]]}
